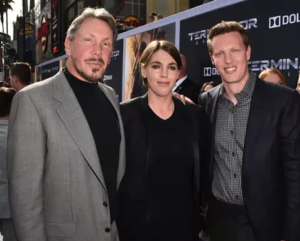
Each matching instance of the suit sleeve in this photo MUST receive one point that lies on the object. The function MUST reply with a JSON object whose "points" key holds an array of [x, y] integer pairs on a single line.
{"points": [[290, 150], [26, 157], [202, 99]]}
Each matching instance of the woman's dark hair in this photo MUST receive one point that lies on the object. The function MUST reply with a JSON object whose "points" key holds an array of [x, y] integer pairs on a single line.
{"points": [[212, 83], [155, 46]]}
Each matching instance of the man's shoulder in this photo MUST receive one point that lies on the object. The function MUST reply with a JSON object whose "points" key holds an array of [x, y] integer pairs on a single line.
{"points": [[107, 87], [272, 90], [190, 83], [212, 93], [130, 110]]}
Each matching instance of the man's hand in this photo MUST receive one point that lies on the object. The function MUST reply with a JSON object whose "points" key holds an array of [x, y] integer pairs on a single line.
{"points": [[183, 99]]}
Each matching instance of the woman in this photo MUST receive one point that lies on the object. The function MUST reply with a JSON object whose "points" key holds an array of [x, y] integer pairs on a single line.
{"points": [[165, 142], [273, 75]]}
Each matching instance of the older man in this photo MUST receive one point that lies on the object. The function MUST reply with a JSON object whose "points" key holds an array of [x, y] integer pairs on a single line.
{"points": [[66, 154]]}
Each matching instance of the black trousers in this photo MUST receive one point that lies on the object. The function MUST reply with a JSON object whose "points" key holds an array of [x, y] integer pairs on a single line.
{"points": [[228, 222], [7, 230]]}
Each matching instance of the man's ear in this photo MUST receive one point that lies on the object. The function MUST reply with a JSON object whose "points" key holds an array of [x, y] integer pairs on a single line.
{"points": [[248, 53], [68, 46], [212, 59]]}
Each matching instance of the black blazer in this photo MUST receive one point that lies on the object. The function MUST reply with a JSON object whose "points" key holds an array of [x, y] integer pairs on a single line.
{"points": [[138, 147], [189, 89], [271, 160]]}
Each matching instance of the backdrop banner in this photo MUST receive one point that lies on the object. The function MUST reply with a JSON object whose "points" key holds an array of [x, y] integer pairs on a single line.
{"points": [[273, 29], [113, 74]]}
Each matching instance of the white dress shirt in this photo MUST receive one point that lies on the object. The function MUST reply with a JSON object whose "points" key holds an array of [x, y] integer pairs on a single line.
{"points": [[179, 82]]}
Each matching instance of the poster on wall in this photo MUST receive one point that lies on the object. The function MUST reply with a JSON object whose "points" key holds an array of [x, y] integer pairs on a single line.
{"points": [[135, 46], [113, 74], [29, 44], [43, 48], [274, 37]]}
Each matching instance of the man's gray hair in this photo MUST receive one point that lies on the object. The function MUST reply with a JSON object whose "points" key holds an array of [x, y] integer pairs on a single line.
{"points": [[98, 13]]}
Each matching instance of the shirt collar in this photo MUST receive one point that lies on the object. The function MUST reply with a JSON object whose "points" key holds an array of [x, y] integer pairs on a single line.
{"points": [[181, 80], [247, 91]]}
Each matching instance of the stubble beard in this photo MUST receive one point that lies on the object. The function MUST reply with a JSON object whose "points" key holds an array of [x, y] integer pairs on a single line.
{"points": [[84, 75]]}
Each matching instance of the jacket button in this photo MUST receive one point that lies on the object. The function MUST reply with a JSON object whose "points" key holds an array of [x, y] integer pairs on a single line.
{"points": [[140, 200], [107, 230], [105, 204]]}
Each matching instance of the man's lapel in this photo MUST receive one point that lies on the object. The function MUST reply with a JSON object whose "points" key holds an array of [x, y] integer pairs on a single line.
{"points": [[122, 155], [212, 105], [213, 96], [74, 119], [256, 121]]}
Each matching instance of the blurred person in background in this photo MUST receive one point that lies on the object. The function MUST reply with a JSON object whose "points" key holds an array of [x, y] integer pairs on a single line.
{"points": [[6, 226], [208, 86], [184, 85], [273, 75], [298, 84], [19, 75]]}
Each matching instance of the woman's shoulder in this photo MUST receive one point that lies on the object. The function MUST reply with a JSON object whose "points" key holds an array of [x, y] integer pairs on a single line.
{"points": [[130, 103], [130, 108], [192, 108]]}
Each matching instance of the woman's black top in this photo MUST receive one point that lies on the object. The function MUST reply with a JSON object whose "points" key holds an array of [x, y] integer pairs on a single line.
{"points": [[159, 193], [169, 191]]}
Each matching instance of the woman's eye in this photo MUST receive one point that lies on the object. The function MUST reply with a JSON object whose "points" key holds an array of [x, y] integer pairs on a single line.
{"points": [[155, 66]]}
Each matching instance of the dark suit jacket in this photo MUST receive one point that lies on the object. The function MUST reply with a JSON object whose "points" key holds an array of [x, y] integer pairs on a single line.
{"points": [[271, 160], [189, 89], [138, 149]]}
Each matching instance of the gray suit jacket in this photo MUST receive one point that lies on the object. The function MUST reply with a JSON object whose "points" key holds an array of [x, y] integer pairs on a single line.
{"points": [[4, 204], [56, 185]]}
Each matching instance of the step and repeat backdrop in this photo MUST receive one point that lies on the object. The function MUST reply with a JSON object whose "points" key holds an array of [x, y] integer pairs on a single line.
{"points": [[113, 73], [273, 28], [274, 32]]}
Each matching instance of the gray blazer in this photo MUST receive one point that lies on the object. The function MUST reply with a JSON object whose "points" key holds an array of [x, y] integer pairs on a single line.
{"points": [[56, 185]]}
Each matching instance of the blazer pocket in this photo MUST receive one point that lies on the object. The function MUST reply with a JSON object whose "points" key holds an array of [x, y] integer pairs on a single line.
{"points": [[60, 229]]}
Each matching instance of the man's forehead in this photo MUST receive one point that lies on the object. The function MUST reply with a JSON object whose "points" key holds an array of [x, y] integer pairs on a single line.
{"points": [[95, 31]]}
